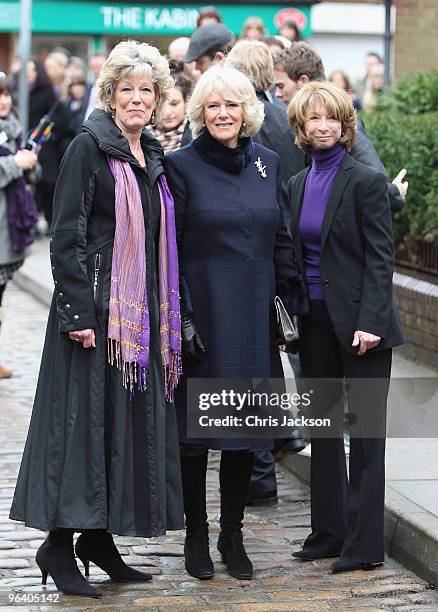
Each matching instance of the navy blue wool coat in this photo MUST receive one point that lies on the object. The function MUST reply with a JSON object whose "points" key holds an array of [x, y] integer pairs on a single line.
{"points": [[235, 256]]}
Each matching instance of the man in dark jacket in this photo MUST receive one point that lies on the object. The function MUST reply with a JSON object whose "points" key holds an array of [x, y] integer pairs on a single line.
{"points": [[302, 65]]}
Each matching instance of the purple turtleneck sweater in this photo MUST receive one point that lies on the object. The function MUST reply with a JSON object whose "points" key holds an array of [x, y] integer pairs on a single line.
{"points": [[325, 164]]}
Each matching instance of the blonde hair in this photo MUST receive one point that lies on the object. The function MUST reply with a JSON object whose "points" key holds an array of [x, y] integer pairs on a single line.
{"points": [[370, 96], [131, 58], [253, 22], [252, 57], [231, 85], [336, 101]]}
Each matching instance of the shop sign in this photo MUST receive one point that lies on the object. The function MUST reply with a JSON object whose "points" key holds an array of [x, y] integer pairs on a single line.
{"points": [[68, 17]]}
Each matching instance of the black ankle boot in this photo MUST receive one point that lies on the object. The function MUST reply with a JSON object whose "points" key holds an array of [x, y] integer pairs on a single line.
{"points": [[197, 555], [55, 557], [234, 555], [98, 546], [235, 473]]}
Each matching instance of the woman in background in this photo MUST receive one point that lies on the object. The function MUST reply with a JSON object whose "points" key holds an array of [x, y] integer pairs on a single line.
{"points": [[169, 131], [18, 212], [342, 80]]}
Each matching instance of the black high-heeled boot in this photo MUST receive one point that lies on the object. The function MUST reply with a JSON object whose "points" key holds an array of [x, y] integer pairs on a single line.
{"points": [[55, 557], [98, 546], [198, 562], [235, 472]]}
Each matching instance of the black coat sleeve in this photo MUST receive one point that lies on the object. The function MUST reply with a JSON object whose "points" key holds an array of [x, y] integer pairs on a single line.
{"points": [[178, 189], [375, 223], [363, 151], [289, 284], [72, 206]]}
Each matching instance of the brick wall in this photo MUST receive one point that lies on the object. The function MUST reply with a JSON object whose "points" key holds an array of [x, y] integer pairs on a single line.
{"points": [[417, 303], [415, 40], [5, 51]]}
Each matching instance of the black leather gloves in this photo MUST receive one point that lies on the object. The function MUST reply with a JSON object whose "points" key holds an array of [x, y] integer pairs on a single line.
{"points": [[192, 347]]}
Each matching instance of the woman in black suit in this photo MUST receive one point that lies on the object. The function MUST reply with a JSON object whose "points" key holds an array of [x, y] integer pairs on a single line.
{"points": [[341, 225]]}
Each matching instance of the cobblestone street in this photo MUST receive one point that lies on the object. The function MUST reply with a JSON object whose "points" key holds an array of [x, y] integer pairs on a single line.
{"points": [[280, 582]]}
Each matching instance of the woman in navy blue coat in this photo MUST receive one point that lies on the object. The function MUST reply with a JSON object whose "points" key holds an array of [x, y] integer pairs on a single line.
{"points": [[235, 256]]}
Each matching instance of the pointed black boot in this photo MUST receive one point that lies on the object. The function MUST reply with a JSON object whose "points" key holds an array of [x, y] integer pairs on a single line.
{"points": [[235, 473], [55, 557], [98, 546], [198, 562]]}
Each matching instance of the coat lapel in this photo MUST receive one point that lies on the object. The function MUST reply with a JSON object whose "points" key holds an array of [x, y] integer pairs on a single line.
{"points": [[340, 182], [297, 204]]}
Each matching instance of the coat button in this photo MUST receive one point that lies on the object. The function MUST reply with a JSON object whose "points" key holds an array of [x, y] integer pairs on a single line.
{"points": [[76, 317], [61, 294], [326, 283], [67, 306]]}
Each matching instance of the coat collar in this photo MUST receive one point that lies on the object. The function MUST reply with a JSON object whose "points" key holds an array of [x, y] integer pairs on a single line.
{"points": [[339, 184], [217, 154], [110, 140]]}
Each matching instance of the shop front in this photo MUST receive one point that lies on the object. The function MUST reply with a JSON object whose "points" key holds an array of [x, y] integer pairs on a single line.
{"points": [[86, 26]]}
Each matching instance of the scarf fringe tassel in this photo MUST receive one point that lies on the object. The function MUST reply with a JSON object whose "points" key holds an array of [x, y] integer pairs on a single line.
{"points": [[135, 376], [172, 373]]}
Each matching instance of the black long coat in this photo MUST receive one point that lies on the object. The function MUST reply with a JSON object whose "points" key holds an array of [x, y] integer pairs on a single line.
{"points": [[235, 255], [94, 458]]}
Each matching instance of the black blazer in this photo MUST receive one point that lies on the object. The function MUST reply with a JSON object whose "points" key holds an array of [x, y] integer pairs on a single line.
{"points": [[357, 260]]}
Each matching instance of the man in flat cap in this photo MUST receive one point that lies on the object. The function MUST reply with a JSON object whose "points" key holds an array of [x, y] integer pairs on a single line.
{"points": [[210, 43]]}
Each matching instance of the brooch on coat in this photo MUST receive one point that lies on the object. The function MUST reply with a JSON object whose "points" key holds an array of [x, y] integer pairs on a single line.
{"points": [[260, 167]]}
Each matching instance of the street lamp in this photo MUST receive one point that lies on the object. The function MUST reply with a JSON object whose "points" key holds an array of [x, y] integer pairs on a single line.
{"points": [[24, 45]]}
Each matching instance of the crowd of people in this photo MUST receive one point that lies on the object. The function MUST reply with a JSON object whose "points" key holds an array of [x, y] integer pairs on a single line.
{"points": [[193, 190]]}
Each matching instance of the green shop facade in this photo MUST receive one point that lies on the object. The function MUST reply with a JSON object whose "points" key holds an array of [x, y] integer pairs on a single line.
{"points": [[84, 26]]}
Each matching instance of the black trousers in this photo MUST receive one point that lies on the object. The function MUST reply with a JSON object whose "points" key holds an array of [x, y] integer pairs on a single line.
{"points": [[347, 514]]}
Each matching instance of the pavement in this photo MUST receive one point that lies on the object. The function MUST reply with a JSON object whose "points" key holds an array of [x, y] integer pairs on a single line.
{"points": [[271, 534]]}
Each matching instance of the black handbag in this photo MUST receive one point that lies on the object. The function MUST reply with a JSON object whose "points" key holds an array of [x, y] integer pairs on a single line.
{"points": [[287, 327]]}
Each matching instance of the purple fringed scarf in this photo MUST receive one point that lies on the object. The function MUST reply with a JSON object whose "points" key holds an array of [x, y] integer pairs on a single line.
{"points": [[128, 324], [21, 207]]}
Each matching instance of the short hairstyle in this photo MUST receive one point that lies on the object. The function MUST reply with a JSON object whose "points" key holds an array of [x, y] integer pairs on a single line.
{"points": [[252, 57], [291, 25], [376, 55], [337, 102], [60, 58], [4, 84], [298, 60], [208, 12], [225, 49], [178, 45], [273, 40], [253, 22], [131, 58], [229, 84], [344, 76]]}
